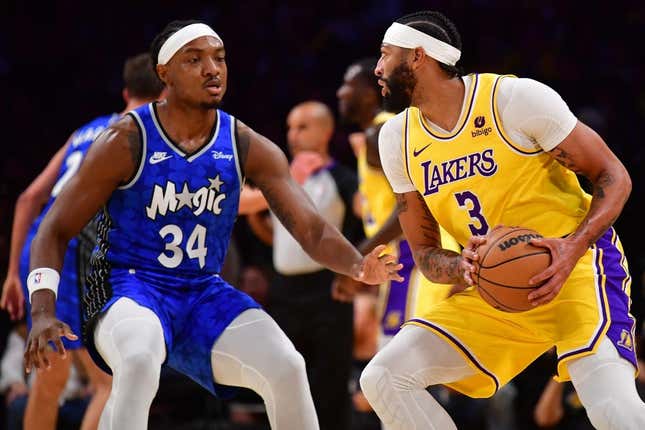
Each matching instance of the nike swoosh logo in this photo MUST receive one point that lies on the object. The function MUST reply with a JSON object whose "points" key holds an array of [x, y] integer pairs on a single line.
{"points": [[416, 153], [159, 160]]}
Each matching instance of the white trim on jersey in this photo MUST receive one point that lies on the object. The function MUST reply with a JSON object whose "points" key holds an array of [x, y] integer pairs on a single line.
{"points": [[144, 146], [235, 155]]}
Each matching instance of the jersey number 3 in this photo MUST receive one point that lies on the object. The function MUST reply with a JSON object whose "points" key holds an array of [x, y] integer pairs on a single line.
{"points": [[195, 246], [469, 201]]}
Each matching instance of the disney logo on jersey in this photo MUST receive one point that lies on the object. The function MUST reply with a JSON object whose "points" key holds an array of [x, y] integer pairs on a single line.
{"points": [[158, 157], [219, 155], [206, 198], [479, 123], [434, 176]]}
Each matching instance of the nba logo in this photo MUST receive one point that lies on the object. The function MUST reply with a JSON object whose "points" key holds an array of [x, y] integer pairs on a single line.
{"points": [[37, 277]]}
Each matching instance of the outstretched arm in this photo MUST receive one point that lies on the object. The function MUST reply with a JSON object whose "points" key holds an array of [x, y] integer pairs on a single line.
{"points": [[267, 167], [28, 206], [111, 160]]}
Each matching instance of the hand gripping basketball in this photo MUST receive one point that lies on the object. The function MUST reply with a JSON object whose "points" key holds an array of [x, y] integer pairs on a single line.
{"points": [[565, 253], [507, 262]]}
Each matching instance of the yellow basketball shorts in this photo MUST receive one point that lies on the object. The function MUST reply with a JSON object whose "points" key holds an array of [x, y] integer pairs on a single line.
{"points": [[594, 302]]}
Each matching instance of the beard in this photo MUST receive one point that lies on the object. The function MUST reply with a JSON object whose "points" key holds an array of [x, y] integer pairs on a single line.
{"points": [[211, 104], [400, 85]]}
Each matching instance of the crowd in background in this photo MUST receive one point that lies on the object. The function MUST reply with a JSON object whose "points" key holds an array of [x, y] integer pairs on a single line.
{"points": [[60, 67]]}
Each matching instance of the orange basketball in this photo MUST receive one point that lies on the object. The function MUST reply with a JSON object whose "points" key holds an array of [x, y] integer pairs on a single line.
{"points": [[506, 263]]}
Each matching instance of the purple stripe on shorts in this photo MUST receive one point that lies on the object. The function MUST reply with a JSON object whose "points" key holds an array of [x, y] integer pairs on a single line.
{"points": [[461, 347], [397, 301], [620, 330]]}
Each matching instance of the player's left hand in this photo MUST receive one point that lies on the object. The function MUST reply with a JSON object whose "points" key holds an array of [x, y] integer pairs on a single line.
{"points": [[565, 253], [376, 268]]}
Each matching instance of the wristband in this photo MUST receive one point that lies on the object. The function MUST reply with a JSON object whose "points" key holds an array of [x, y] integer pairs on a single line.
{"points": [[43, 279]]}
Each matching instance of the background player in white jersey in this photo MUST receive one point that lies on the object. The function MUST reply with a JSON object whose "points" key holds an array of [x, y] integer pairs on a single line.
{"points": [[473, 152], [154, 293], [141, 86]]}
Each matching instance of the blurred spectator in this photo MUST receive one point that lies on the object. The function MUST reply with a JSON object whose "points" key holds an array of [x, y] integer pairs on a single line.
{"points": [[300, 298]]}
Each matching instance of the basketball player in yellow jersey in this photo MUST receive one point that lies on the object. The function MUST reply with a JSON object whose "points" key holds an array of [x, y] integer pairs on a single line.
{"points": [[359, 102], [473, 152]]}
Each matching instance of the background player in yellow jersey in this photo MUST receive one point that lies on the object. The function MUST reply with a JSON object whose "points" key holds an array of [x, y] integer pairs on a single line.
{"points": [[360, 102], [473, 152]]}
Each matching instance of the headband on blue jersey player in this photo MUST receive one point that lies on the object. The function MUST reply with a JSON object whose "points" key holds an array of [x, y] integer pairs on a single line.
{"points": [[405, 36], [181, 37]]}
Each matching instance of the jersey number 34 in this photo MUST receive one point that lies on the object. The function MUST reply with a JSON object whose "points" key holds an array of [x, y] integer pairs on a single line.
{"points": [[174, 254]]}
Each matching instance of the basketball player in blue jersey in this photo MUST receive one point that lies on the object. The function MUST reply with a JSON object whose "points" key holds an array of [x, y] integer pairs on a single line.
{"points": [[141, 87], [472, 152], [168, 177]]}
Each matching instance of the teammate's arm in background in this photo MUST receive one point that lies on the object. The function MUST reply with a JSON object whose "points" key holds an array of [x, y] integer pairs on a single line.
{"points": [[267, 167], [111, 161], [28, 207], [391, 229]]}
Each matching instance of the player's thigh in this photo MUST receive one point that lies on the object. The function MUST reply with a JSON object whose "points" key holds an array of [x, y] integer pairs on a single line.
{"points": [[420, 352], [253, 344], [128, 329]]}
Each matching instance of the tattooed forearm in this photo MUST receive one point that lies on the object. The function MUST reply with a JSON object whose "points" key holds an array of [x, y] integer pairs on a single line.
{"points": [[564, 158], [440, 265], [428, 224], [604, 180]]}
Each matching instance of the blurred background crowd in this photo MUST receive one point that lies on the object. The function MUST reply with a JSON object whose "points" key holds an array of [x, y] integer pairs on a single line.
{"points": [[60, 66]]}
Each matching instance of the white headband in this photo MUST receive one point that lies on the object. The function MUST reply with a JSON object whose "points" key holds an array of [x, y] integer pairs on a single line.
{"points": [[178, 39], [405, 36]]}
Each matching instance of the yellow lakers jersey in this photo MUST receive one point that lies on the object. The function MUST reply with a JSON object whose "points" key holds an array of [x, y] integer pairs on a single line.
{"points": [[377, 197], [476, 177]]}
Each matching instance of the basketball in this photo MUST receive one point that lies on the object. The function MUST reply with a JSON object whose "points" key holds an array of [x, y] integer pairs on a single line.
{"points": [[506, 263]]}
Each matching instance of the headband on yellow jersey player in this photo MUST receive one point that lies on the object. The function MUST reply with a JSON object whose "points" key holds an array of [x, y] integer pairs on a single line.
{"points": [[404, 36], [181, 37]]}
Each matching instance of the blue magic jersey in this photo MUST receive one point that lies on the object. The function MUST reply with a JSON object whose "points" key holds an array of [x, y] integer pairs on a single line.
{"points": [[77, 253], [79, 143], [176, 214]]}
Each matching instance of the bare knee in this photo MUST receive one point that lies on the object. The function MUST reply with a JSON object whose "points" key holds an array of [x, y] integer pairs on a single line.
{"points": [[51, 383]]}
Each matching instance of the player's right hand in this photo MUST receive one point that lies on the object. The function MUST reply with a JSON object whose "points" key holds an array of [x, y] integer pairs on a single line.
{"points": [[13, 299], [45, 329], [468, 262]]}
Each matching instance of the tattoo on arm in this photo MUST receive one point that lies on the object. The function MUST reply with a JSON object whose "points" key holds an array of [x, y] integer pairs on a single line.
{"points": [[564, 158], [134, 143], [401, 203], [605, 179], [428, 225], [440, 265]]}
